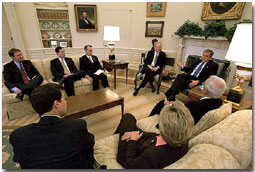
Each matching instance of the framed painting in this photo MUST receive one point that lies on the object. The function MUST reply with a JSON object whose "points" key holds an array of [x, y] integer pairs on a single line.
{"points": [[222, 10], [154, 28], [156, 9], [86, 18]]}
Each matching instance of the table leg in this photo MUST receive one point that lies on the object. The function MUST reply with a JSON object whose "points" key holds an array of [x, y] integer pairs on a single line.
{"points": [[122, 108], [114, 78], [126, 75]]}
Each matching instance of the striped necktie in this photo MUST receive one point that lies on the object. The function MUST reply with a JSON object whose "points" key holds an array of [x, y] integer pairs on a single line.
{"points": [[23, 73], [64, 66], [198, 69]]}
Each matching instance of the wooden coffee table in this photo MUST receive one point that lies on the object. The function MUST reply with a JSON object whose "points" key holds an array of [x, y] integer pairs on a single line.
{"points": [[85, 104], [196, 94]]}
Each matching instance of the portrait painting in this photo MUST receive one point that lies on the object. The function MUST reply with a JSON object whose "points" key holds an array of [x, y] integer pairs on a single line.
{"points": [[86, 18], [222, 10], [156, 9], [154, 28]]}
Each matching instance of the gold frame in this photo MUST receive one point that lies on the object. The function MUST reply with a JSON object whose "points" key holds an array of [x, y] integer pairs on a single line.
{"points": [[233, 13], [156, 14], [160, 34], [77, 9]]}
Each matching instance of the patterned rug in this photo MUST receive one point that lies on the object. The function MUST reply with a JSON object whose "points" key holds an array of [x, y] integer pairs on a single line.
{"points": [[7, 152]]}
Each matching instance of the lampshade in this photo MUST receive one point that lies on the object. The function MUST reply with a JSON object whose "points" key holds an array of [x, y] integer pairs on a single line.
{"points": [[240, 49], [111, 33]]}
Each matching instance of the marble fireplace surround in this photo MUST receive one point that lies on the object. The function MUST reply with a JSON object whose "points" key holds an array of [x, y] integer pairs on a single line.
{"points": [[196, 45]]}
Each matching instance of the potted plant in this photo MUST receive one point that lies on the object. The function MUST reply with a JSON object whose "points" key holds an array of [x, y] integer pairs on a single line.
{"points": [[189, 28], [214, 29]]}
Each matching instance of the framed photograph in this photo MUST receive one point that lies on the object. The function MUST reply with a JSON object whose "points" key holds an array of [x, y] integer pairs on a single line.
{"points": [[62, 43], [222, 10], [86, 18], [154, 28], [53, 44], [156, 9]]}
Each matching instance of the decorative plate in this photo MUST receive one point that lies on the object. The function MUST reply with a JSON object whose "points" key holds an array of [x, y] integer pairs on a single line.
{"points": [[65, 25], [57, 35], [68, 35], [55, 25], [45, 25]]}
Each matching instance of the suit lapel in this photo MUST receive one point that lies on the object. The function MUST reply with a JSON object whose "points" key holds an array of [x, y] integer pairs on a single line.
{"points": [[205, 67], [16, 69]]}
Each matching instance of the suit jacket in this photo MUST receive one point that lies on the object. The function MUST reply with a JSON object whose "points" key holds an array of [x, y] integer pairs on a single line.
{"points": [[57, 69], [201, 107], [87, 66], [144, 154], [13, 76], [160, 61], [53, 143], [84, 25], [209, 69]]}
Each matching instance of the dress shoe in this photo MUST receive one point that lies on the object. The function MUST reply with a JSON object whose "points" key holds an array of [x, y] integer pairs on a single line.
{"points": [[135, 92], [157, 126], [152, 89], [20, 96]]}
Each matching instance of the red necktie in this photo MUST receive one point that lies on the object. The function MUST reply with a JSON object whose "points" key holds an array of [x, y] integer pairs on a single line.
{"points": [[23, 73]]}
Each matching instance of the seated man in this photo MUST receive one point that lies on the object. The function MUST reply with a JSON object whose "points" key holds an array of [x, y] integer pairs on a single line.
{"points": [[52, 143], [153, 65], [196, 75], [213, 89], [64, 71], [155, 151], [91, 65], [20, 75]]}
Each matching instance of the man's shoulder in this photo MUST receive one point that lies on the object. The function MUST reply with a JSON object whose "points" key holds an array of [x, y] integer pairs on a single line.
{"points": [[22, 130], [9, 64], [84, 56], [76, 122], [54, 60]]}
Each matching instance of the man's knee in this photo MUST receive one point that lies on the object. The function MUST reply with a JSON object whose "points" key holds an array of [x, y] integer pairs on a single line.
{"points": [[128, 116]]}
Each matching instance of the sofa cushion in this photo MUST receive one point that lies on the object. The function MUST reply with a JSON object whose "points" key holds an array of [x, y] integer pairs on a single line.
{"points": [[211, 118], [233, 134], [206, 156]]}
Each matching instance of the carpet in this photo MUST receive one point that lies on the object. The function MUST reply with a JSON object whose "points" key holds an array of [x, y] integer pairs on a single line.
{"points": [[7, 152]]}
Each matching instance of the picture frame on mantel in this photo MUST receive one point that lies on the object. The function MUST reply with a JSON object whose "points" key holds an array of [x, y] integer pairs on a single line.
{"points": [[222, 10], [156, 9], [86, 18], [154, 29]]}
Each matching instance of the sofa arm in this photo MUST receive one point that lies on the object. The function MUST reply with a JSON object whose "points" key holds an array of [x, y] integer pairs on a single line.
{"points": [[206, 156]]}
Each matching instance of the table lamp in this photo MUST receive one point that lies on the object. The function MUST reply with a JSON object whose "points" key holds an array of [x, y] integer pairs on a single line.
{"points": [[240, 52], [111, 33]]}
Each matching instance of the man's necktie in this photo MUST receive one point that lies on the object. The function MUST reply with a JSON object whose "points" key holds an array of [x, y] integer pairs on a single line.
{"points": [[155, 60], [90, 58], [198, 70], [64, 66], [23, 73]]}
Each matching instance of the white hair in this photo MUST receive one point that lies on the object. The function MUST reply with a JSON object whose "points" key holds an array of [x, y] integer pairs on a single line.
{"points": [[216, 86]]}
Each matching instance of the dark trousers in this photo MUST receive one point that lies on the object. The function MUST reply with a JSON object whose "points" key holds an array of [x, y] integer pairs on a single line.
{"points": [[180, 83], [69, 83], [33, 83], [157, 109], [127, 124], [96, 79], [148, 76]]}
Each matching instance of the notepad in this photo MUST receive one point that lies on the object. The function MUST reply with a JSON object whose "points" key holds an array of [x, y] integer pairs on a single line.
{"points": [[99, 71]]}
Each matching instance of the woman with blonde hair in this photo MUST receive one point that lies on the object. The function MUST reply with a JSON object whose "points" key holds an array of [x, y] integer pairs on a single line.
{"points": [[139, 149]]}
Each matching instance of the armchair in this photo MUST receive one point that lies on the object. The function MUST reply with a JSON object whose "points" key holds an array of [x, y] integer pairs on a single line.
{"points": [[157, 78]]}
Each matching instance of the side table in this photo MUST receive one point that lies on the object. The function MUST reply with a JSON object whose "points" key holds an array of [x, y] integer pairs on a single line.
{"points": [[196, 94], [109, 66]]}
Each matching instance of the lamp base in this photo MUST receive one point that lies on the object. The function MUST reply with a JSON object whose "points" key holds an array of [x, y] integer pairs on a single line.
{"points": [[111, 57], [235, 96]]}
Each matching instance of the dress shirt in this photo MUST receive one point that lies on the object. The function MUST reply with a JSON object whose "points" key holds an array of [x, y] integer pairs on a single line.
{"points": [[90, 59], [197, 67], [14, 89], [60, 59], [50, 115], [153, 61]]}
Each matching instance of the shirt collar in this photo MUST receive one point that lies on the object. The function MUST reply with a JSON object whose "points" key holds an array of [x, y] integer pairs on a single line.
{"points": [[46, 115], [205, 98]]}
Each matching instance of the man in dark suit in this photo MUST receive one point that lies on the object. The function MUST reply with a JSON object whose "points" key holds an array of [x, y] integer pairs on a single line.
{"points": [[91, 66], [195, 75], [64, 71], [153, 65], [213, 89], [52, 143], [85, 23], [20, 75]]}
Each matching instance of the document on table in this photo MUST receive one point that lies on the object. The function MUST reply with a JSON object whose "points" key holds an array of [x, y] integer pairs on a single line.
{"points": [[99, 71]]}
